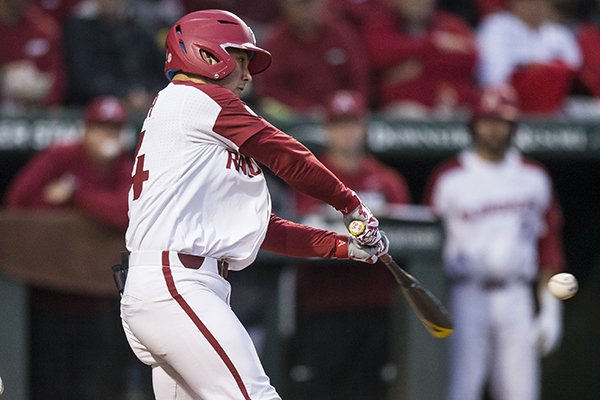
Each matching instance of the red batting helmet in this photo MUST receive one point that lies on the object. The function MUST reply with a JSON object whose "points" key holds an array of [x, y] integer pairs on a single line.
{"points": [[344, 104], [498, 102], [106, 110], [212, 31]]}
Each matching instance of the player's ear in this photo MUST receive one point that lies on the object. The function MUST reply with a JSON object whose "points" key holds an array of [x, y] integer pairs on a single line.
{"points": [[208, 58]]}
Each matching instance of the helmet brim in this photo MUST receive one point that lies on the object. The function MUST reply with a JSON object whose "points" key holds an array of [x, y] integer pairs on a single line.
{"points": [[260, 60]]}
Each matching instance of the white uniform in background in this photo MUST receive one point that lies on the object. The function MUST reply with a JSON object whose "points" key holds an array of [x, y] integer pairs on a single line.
{"points": [[494, 215]]}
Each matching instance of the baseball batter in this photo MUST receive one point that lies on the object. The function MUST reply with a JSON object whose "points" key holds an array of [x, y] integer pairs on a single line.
{"points": [[199, 206], [502, 221]]}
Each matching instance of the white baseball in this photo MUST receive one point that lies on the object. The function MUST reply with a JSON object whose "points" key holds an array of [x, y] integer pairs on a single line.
{"points": [[1, 386], [563, 286]]}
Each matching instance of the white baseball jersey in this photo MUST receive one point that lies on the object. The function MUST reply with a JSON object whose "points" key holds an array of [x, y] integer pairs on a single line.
{"points": [[493, 215], [193, 192], [500, 220]]}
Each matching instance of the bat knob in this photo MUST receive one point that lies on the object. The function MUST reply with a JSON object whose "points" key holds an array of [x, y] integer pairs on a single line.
{"points": [[356, 227]]}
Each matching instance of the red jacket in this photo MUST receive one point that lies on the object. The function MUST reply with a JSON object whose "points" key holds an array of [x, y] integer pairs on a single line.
{"points": [[102, 194]]}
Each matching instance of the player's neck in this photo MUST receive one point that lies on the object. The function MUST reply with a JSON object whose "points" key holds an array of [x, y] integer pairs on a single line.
{"points": [[490, 155], [189, 78]]}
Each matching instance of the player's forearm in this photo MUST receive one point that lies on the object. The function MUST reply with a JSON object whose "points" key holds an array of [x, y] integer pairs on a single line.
{"points": [[295, 240], [297, 166]]}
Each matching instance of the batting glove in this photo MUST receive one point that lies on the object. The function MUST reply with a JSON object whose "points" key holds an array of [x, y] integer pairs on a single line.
{"points": [[370, 235], [365, 253]]}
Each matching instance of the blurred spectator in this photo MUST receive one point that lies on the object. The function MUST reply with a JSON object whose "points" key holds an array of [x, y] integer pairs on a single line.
{"points": [[31, 57], [502, 227], [108, 54], [425, 59], [342, 344], [60, 10], [315, 54], [525, 48], [73, 336]]}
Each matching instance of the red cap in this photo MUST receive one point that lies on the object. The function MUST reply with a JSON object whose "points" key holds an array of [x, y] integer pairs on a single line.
{"points": [[498, 102], [345, 104], [106, 110]]}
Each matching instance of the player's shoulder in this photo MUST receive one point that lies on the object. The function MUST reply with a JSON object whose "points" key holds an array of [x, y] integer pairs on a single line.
{"points": [[201, 93], [374, 166], [371, 163], [449, 166], [59, 155], [443, 172], [446, 19], [65, 150], [532, 165], [217, 93]]}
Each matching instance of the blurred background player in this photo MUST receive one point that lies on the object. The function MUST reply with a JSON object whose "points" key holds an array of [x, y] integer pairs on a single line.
{"points": [[424, 59], [342, 343], [199, 206], [74, 337], [502, 223]]}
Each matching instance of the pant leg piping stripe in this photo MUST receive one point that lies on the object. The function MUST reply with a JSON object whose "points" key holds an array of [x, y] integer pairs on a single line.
{"points": [[200, 325]]}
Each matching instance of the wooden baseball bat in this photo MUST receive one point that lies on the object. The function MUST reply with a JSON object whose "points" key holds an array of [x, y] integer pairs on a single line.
{"points": [[429, 309]]}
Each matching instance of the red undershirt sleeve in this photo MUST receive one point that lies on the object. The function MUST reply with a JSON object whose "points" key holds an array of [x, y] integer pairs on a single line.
{"points": [[298, 167], [296, 240]]}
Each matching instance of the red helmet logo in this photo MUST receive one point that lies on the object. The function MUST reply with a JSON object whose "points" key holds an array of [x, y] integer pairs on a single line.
{"points": [[212, 31]]}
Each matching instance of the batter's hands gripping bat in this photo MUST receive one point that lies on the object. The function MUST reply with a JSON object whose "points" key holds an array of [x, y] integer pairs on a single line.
{"points": [[428, 308]]}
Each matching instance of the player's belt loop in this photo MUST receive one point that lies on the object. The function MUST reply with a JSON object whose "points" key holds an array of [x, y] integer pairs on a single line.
{"points": [[190, 261], [223, 268]]}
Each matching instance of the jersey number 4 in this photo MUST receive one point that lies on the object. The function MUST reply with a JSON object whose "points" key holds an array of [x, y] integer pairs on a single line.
{"points": [[140, 175]]}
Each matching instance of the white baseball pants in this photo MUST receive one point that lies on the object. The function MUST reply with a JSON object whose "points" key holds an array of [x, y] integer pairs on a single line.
{"points": [[493, 342], [178, 321]]}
